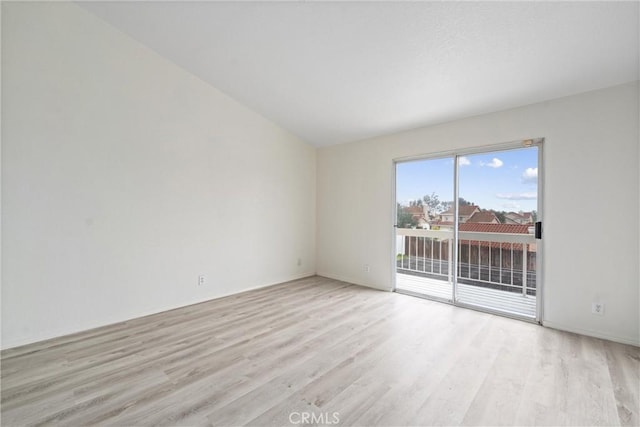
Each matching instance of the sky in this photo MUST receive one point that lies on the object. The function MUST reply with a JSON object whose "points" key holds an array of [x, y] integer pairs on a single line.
{"points": [[501, 180]]}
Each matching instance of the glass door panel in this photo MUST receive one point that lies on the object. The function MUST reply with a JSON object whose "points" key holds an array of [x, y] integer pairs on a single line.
{"points": [[497, 211], [424, 228]]}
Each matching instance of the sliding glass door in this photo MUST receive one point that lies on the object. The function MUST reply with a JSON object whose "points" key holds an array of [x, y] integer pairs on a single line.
{"points": [[466, 229]]}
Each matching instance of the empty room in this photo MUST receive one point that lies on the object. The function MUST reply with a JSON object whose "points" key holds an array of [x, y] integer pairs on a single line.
{"points": [[320, 213]]}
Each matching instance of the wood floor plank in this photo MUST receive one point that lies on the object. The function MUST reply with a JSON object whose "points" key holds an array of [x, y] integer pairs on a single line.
{"points": [[419, 369], [322, 388], [326, 349], [497, 400], [623, 362], [254, 373]]}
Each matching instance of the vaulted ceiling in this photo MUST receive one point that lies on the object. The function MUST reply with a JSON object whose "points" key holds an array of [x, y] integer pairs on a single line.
{"points": [[334, 72]]}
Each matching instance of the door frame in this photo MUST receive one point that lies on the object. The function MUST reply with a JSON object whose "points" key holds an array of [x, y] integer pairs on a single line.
{"points": [[455, 154]]}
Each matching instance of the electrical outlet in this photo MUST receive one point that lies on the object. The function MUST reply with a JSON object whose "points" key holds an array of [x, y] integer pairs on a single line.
{"points": [[367, 268], [597, 308], [202, 279]]}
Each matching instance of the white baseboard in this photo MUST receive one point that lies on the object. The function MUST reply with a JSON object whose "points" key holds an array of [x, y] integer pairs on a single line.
{"points": [[16, 343], [5, 345], [351, 280], [546, 323], [590, 333]]}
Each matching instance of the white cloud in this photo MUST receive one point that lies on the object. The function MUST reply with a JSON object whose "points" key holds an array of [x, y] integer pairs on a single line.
{"points": [[530, 175], [494, 163], [463, 161], [517, 196]]}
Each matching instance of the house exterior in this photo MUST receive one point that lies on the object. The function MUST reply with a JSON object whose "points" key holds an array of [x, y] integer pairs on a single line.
{"points": [[418, 215], [483, 217], [519, 218], [464, 213], [468, 214]]}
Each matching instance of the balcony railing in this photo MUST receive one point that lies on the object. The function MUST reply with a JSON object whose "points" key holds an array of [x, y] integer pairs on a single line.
{"points": [[500, 261]]}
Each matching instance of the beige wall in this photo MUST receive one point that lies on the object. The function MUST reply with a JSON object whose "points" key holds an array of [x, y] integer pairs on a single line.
{"points": [[125, 177], [591, 173]]}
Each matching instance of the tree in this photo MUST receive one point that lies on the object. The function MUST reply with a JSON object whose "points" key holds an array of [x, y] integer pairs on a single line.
{"points": [[461, 202], [434, 204], [404, 219], [502, 216]]}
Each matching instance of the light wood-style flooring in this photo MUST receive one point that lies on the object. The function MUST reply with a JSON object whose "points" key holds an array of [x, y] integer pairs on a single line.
{"points": [[320, 351]]}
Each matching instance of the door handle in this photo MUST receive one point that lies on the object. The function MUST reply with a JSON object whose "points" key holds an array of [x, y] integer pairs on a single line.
{"points": [[539, 230]]}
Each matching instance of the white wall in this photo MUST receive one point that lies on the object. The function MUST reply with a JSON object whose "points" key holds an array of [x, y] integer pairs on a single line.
{"points": [[591, 173], [124, 177]]}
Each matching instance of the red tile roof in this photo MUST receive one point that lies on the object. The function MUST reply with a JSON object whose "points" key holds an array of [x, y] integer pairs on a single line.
{"points": [[531, 247], [495, 228]]}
